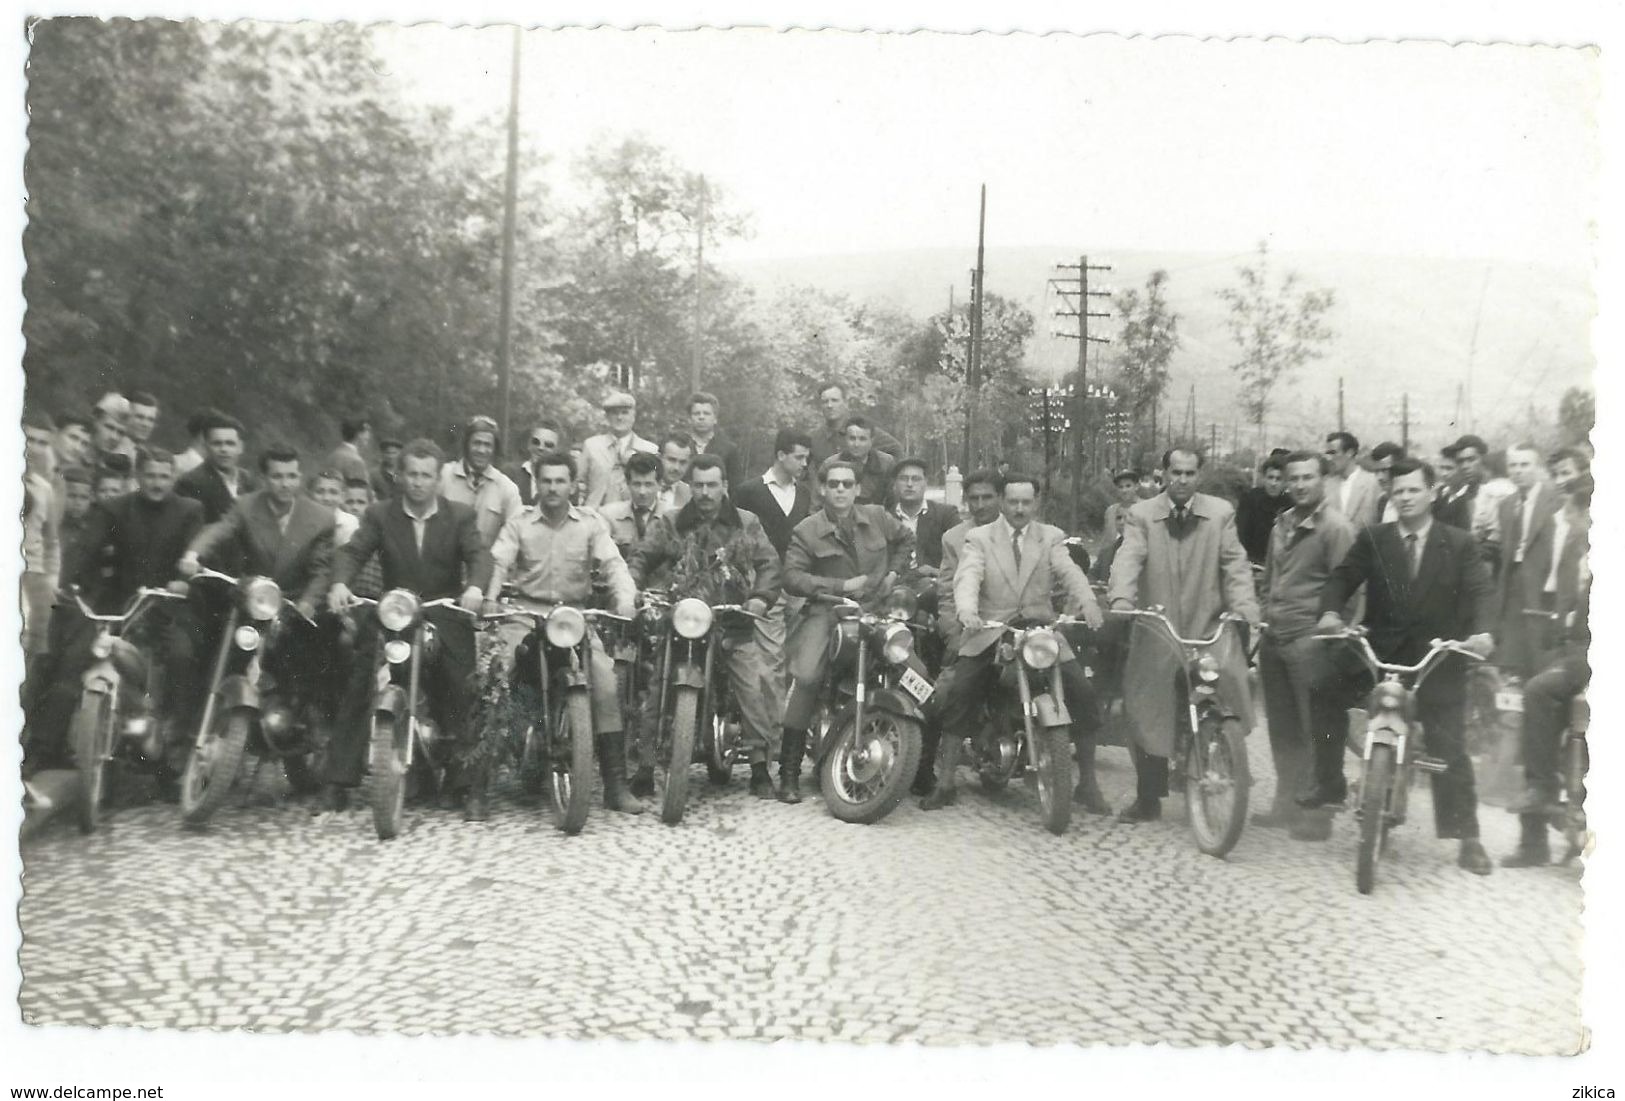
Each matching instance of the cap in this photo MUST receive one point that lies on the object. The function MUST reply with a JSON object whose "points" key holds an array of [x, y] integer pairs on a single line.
{"points": [[1126, 475], [1474, 442], [619, 399]]}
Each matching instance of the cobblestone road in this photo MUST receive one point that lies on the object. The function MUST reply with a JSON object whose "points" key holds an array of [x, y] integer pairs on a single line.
{"points": [[755, 920]]}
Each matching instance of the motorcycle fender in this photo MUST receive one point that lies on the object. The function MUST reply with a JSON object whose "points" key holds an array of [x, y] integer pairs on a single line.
{"points": [[1050, 712], [236, 692], [897, 702], [1385, 730], [689, 675], [837, 723], [391, 700]]}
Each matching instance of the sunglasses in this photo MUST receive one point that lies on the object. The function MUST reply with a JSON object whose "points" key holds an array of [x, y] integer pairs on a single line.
{"points": [[845, 483]]}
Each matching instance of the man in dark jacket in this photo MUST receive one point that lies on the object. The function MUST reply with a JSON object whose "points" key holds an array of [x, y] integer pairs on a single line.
{"points": [[219, 480], [1424, 580], [431, 547], [1260, 505], [703, 410], [779, 498], [831, 440]]}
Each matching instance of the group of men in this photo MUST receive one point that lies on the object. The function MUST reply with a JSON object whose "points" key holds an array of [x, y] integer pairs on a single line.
{"points": [[842, 512]]}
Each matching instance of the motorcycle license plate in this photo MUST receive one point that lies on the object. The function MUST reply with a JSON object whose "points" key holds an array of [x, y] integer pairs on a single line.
{"points": [[1509, 701], [915, 685]]}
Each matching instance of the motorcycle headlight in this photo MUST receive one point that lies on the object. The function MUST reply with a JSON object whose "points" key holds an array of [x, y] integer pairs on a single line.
{"points": [[1040, 649], [691, 618], [246, 638], [102, 647], [1207, 668], [262, 598], [397, 650], [1388, 697], [897, 644], [397, 610], [566, 627], [902, 604]]}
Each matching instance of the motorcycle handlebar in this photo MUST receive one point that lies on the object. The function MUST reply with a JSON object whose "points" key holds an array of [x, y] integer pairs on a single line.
{"points": [[142, 595], [1151, 613], [1436, 648]]}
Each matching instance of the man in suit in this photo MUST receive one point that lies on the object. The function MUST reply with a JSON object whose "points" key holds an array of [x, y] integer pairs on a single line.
{"points": [[676, 450], [843, 550], [1526, 527], [219, 481], [1457, 503], [1008, 573], [1549, 694], [781, 500], [1260, 505], [279, 533], [703, 409], [130, 542], [1423, 580], [603, 457], [1383, 457], [928, 520], [1180, 551], [546, 437], [1351, 489], [431, 547]]}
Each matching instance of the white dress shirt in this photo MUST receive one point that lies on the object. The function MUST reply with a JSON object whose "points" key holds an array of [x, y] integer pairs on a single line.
{"points": [[785, 495]]}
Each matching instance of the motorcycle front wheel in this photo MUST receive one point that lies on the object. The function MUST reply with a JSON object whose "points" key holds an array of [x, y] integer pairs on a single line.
{"points": [[390, 734], [571, 775], [212, 766], [1375, 784], [1217, 783], [685, 718], [91, 737], [1054, 777], [865, 774]]}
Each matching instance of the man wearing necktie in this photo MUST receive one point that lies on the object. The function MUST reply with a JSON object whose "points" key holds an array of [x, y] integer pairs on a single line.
{"points": [[1527, 527], [1423, 580], [630, 520], [1180, 551], [604, 456]]}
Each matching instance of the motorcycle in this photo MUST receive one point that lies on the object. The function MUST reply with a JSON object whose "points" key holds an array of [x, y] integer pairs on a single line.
{"points": [[248, 708], [553, 667], [867, 730], [116, 716], [1210, 748], [1030, 732], [1391, 752], [695, 702], [402, 735]]}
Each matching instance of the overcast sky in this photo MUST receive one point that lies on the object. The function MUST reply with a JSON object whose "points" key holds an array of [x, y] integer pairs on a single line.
{"points": [[840, 142]]}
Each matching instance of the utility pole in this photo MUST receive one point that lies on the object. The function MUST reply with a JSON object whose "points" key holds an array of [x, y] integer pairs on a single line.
{"points": [[699, 286], [973, 369], [1190, 414], [1405, 422], [510, 204], [1213, 440], [1340, 426], [1066, 285]]}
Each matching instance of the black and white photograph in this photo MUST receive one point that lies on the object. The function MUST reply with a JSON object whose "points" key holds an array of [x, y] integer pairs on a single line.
{"points": [[791, 540]]}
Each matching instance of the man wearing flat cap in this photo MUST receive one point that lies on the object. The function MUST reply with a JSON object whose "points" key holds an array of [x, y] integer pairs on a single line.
{"points": [[603, 457]]}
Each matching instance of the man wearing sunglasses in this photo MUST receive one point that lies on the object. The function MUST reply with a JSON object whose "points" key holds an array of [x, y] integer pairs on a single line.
{"points": [[844, 549], [546, 438]]}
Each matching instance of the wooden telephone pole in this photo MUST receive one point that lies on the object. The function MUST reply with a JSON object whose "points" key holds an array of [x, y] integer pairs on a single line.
{"points": [[973, 367], [1067, 285], [510, 204]]}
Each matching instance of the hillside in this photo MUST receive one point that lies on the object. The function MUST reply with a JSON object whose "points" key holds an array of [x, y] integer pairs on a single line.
{"points": [[1402, 324]]}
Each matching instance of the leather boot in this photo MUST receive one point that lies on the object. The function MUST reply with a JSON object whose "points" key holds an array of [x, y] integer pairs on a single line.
{"points": [[946, 792], [761, 784], [643, 782], [792, 750], [1534, 848], [925, 778], [1087, 794], [612, 766]]}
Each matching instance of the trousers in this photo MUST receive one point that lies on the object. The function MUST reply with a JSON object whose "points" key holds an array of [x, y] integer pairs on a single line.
{"points": [[738, 657], [807, 661], [1300, 708], [1546, 700]]}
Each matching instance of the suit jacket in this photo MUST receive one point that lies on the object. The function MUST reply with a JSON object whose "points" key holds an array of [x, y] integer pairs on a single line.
{"points": [[1451, 596], [522, 477], [755, 496], [453, 556], [137, 541], [953, 543], [1194, 579], [249, 540], [725, 449], [601, 467], [205, 485], [1364, 489], [934, 521], [988, 582], [1455, 506], [1537, 557]]}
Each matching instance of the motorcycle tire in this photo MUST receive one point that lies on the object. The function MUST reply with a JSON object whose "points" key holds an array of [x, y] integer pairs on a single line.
{"points": [[571, 783], [212, 766], [1217, 783], [863, 778], [717, 766], [685, 717], [532, 762], [89, 724], [387, 795], [1375, 784], [1053, 777]]}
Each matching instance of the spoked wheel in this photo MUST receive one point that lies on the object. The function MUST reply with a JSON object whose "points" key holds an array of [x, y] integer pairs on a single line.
{"points": [[1216, 784], [866, 773], [1053, 777], [391, 740], [212, 766], [685, 720], [92, 747], [1372, 809], [570, 774]]}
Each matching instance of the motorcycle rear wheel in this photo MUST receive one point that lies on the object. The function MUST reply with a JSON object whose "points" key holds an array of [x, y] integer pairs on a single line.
{"points": [[1217, 784], [388, 792], [685, 718], [1053, 777], [1373, 806], [89, 725], [212, 766], [864, 776], [571, 778]]}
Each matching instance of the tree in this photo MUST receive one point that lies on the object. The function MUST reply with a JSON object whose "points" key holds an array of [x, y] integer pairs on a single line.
{"points": [[1277, 329], [1576, 415], [1149, 339]]}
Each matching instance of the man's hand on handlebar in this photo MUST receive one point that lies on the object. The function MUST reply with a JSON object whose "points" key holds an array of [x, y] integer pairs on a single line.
{"points": [[854, 584], [188, 565], [1331, 623], [179, 587], [306, 607], [970, 621], [1481, 644], [1091, 616], [340, 598], [471, 600], [756, 606]]}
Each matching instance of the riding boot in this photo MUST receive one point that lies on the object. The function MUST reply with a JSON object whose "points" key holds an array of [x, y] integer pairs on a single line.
{"points": [[792, 749], [643, 782], [1534, 848], [925, 778], [947, 791], [1087, 795], [761, 784], [612, 766]]}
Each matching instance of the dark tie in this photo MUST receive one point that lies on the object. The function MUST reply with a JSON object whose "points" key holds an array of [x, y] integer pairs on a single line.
{"points": [[1179, 526], [638, 515], [1015, 548], [1410, 554]]}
